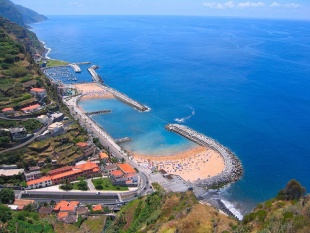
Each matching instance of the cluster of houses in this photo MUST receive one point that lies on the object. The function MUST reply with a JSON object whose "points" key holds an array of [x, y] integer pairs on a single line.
{"points": [[38, 93], [119, 173], [67, 212]]}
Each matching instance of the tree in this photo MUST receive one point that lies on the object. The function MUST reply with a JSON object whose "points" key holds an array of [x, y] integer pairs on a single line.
{"points": [[293, 191], [5, 213], [7, 196]]}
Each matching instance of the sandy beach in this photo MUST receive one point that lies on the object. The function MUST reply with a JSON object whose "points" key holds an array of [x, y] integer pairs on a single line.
{"points": [[194, 164], [93, 91]]}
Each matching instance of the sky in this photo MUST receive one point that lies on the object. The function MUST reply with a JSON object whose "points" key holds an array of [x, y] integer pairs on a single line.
{"points": [[287, 9]]}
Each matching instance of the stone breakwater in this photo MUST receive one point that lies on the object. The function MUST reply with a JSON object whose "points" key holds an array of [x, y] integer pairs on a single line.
{"points": [[127, 100], [233, 168]]}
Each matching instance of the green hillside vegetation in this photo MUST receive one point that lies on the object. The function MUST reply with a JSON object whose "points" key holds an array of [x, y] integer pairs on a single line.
{"points": [[17, 65], [26, 221], [62, 148], [19, 14], [172, 212], [180, 212]]}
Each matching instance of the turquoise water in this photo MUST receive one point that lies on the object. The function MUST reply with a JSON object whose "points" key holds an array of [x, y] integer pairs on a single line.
{"points": [[146, 130], [247, 81]]}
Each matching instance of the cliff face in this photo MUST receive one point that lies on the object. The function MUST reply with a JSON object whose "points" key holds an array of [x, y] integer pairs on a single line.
{"points": [[19, 14]]}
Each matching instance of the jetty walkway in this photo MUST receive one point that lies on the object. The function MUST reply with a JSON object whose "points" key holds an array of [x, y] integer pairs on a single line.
{"points": [[233, 169], [75, 67], [121, 140], [98, 112], [127, 100], [95, 76]]}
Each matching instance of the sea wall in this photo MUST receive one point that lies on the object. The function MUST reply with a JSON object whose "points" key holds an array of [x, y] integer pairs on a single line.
{"points": [[124, 98], [233, 168]]}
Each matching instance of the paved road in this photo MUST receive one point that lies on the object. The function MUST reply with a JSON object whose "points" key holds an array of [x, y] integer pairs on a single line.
{"points": [[37, 134]]}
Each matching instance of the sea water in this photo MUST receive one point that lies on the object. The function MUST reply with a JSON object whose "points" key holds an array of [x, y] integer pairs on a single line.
{"points": [[243, 82]]}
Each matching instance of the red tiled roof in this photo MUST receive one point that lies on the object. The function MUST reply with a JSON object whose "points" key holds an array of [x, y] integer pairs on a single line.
{"points": [[59, 170], [82, 144], [103, 155], [87, 166], [126, 168], [23, 202], [60, 205], [97, 208], [7, 109], [65, 174], [117, 173], [68, 208], [62, 215], [31, 107], [42, 179], [74, 203], [37, 89], [96, 169]]}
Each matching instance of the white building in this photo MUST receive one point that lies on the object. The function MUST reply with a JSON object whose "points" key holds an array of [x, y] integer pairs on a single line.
{"points": [[55, 127], [43, 119], [40, 183]]}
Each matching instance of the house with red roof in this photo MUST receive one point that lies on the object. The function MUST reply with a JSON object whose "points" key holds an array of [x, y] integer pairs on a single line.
{"points": [[97, 208], [124, 175], [8, 111], [31, 108], [38, 92], [87, 148]]}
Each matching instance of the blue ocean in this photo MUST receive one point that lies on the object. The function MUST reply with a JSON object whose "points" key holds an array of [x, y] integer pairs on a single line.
{"points": [[243, 82]]}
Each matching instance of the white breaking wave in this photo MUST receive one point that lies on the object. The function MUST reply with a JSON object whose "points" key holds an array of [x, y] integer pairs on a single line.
{"points": [[232, 209], [183, 119], [48, 50]]}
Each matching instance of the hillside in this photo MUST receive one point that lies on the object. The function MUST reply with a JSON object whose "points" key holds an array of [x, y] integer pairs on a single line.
{"points": [[19, 14], [16, 64], [180, 212], [172, 212]]}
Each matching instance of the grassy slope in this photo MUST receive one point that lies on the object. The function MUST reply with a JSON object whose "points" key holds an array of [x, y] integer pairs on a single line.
{"points": [[172, 212]]}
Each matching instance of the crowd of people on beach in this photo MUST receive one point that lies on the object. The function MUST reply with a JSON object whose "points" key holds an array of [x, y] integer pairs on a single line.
{"points": [[233, 168]]}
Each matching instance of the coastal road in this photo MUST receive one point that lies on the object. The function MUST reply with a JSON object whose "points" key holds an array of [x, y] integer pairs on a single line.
{"points": [[87, 197], [105, 139]]}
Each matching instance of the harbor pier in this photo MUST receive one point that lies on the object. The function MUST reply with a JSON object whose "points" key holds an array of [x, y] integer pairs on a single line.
{"points": [[127, 100], [233, 169], [75, 67], [98, 112], [96, 78]]}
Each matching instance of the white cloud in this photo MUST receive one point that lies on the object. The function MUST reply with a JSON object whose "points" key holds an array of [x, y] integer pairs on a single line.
{"points": [[250, 4], [242, 5], [226, 5], [287, 5]]}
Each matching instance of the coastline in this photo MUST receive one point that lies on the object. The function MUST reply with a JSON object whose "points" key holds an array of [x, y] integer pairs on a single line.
{"points": [[93, 91], [192, 164]]}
